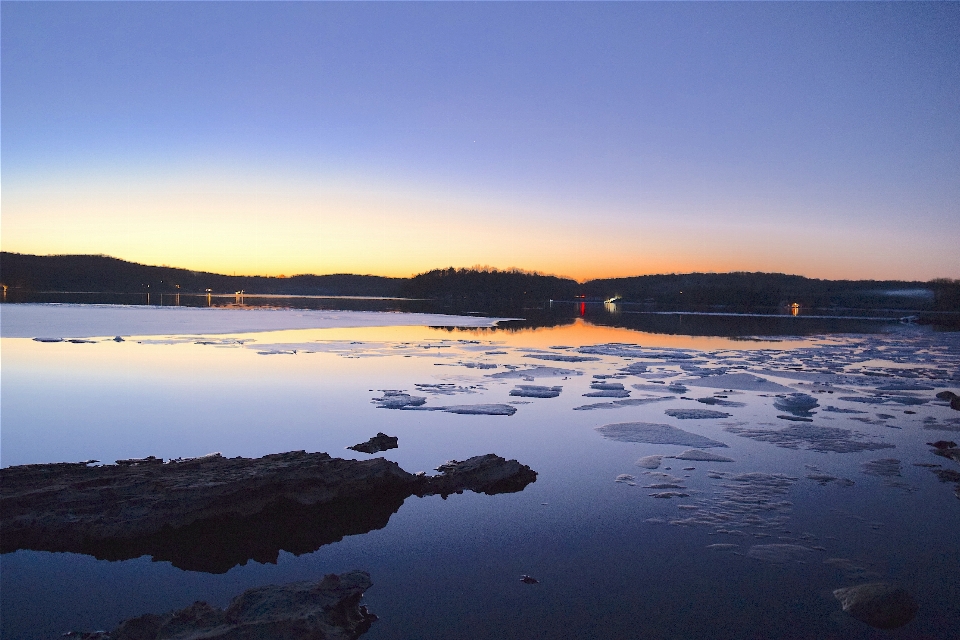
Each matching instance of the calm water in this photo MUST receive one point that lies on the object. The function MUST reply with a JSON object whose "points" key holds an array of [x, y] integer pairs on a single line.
{"points": [[613, 561]]}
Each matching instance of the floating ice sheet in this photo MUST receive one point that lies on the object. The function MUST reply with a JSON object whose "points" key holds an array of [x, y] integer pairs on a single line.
{"points": [[558, 357], [695, 414], [535, 372], [808, 436], [701, 456], [651, 433], [618, 404], [739, 382], [534, 391]]}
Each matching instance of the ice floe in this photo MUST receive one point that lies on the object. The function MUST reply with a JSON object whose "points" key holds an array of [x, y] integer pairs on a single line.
{"points": [[739, 382], [651, 433], [808, 436], [392, 399], [649, 462], [745, 502], [618, 404], [557, 357], [535, 372], [797, 404], [695, 414], [534, 391], [701, 456]]}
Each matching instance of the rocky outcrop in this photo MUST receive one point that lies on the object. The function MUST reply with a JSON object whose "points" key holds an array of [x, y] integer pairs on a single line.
{"points": [[950, 397], [325, 610], [879, 604], [379, 442], [212, 513]]}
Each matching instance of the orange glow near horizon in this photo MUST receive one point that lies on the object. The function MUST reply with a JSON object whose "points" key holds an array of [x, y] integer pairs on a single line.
{"points": [[271, 226]]}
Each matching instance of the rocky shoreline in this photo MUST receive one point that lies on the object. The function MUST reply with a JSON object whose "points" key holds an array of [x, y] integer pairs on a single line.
{"points": [[326, 610], [212, 513]]}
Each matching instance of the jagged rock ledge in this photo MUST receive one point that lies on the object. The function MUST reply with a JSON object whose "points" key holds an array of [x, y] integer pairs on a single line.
{"points": [[211, 513], [328, 609]]}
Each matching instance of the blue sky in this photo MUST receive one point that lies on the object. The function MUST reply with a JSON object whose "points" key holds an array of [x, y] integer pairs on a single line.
{"points": [[583, 139]]}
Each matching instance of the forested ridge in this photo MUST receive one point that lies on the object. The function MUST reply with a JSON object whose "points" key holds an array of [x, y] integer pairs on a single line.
{"points": [[486, 288]]}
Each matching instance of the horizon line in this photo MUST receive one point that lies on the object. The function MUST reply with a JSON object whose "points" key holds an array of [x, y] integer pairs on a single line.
{"points": [[475, 267]]}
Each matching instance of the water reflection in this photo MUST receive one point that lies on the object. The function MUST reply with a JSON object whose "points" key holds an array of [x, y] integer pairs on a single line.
{"points": [[788, 319], [216, 545]]}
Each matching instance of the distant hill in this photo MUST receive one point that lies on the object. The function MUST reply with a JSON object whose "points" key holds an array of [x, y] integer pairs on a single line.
{"points": [[754, 290], [489, 290], [106, 274]]}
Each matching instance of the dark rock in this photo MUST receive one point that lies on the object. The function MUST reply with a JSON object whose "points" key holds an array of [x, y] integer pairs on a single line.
{"points": [[950, 453], [379, 442], [879, 604], [489, 474], [947, 475], [329, 609], [943, 444], [212, 513], [528, 579]]}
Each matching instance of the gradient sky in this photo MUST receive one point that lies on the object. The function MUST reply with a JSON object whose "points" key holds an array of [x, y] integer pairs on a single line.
{"points": [[587, 140]]}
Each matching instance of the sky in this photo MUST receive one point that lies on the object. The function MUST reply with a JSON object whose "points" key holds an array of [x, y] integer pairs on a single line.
{"points": [[579, 139]]}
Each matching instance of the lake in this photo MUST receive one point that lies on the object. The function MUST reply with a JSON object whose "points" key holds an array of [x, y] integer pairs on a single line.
{"points": [[814, 472]]}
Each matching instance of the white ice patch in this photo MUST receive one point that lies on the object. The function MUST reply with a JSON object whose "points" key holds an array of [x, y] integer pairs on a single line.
{"points": [[650, 433], [536, 372], [739, 382]]}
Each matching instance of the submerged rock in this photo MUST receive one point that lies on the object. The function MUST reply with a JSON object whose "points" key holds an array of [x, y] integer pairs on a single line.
{"points": [[879, 604], [212, 513], [651, 433], [379, 442], [329, 609]]}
